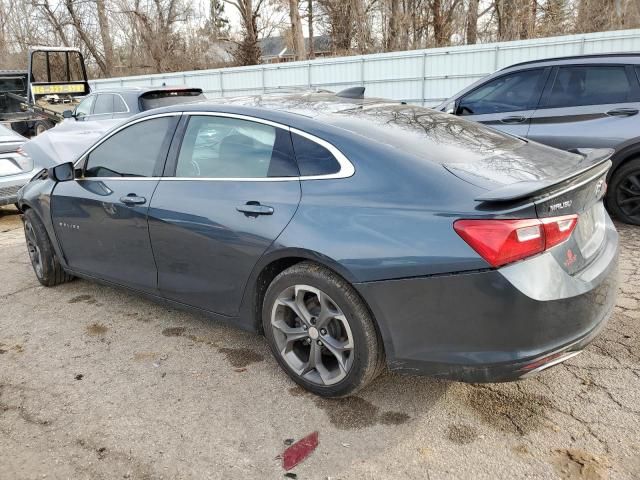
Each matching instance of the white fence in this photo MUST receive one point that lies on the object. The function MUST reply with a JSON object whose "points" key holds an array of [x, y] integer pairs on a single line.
{"points": [[418, 76]]}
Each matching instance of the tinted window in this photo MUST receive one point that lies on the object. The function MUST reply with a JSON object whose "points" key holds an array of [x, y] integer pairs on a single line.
{"points": [[84, 108], [11, 84], [164, 98], [104, 104], [136, 151], [313, 159], [118, 104], [509, 93], [219, 147], [575, 86]]}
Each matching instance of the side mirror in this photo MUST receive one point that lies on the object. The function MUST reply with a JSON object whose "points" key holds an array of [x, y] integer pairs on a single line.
{"points": [[62, 173], [67, 114]]}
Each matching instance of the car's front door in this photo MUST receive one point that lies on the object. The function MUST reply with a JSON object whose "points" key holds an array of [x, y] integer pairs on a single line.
{"points": [[588, 106], [506, 102], [83, 110], [100, 219], [234, 190]]}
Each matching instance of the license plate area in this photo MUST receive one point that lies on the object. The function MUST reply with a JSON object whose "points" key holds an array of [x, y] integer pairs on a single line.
{"points": [[590, 230]]}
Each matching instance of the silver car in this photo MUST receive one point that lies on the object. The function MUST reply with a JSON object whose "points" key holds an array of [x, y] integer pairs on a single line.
{"points": [[584, 101], [16, 167]]}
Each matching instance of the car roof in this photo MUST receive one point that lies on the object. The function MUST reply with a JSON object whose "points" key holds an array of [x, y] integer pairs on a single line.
{"points": [[632, 57]]}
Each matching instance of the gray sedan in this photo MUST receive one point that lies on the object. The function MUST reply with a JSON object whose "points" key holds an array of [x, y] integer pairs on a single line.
{"points": [[353, 233]]}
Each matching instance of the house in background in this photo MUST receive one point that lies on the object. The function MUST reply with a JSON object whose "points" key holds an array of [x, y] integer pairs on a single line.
{"points": [[277, 49]]}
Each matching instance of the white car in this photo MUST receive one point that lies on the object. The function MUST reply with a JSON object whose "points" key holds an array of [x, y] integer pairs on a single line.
{"points": [[16, 167]]}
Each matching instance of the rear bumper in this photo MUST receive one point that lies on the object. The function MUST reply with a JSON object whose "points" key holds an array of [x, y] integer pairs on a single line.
{"points": [[494, 325], [10, 185]]}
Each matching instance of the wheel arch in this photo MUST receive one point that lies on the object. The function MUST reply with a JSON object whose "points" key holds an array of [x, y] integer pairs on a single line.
{"points": [[625, 152], [270, 266]]}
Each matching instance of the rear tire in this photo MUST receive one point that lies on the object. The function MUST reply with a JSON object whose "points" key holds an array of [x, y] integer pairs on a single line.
{"points": [[41, 126], [321, 331], [43, 258], [623, 195]]}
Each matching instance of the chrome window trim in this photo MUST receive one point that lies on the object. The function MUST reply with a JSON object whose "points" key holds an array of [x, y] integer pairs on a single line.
{"points": [[346, 167]]}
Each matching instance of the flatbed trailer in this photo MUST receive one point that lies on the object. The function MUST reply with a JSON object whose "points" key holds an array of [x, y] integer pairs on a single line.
{"points": [[56, 80]]}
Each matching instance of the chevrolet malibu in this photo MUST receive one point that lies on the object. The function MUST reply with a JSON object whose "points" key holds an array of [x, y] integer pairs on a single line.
{"points": [[353, 233]]}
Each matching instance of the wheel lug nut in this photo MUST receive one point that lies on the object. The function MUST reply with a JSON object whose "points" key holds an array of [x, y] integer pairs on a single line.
{"points": [[323, 331], [313, 320], [304, 327], [319, 342]]}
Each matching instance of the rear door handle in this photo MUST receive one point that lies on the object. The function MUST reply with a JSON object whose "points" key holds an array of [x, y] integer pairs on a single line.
{"points": [[513, 119], [133, 199], [253, 209], [623, 112]]}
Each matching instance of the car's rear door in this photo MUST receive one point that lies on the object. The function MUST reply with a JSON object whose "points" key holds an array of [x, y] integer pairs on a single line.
{"points": [[230, 192], [588, 106], [100, 219], [506, 102]]}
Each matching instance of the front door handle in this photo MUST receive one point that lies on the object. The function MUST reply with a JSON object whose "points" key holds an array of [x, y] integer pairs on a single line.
{"points": [[623, 112], [253, 209], [513, 119], [133, 199]]}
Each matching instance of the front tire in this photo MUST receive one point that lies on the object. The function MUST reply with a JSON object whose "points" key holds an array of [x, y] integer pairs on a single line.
{"points": [[320, 331], [43, 258], [623, 197]]}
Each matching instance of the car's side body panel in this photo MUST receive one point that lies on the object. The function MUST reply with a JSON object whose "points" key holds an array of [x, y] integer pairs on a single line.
{"points": [[204, 247]]}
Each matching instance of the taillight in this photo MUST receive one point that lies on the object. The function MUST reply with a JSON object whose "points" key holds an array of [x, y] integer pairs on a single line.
{"points": [[505, 241]]}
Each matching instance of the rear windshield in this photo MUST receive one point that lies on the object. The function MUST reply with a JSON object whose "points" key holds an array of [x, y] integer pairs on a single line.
{"points": [[425, 133], [165, 98], [11, 84]]}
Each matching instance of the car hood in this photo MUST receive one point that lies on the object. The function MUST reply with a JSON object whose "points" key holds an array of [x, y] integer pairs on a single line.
{"points": [[67, 141]]}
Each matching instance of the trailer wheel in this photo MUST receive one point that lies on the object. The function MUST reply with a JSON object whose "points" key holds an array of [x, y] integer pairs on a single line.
{"points": [[41, 126]]}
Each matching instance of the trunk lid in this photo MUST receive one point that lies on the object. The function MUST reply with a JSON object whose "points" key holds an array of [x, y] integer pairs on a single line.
{"points": [[563, 183]]}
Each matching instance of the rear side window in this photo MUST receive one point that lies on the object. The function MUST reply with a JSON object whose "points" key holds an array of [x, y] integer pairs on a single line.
{"points": [[165, 98], [508, 93], [103, 105], [312, 158], [11, 84], [221, 147], [118, 105], [589, 85], [136, 151]]}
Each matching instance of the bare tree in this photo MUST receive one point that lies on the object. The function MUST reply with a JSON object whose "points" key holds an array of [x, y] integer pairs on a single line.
{"points": [[296, 30], [311, 53], [248, 52]]}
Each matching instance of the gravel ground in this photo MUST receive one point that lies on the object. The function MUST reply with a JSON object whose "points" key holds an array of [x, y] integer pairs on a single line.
{"points": [[99, 384]]}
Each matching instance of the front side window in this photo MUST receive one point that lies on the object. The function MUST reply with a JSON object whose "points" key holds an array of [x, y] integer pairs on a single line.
{"points": [[136, 151], [84, 108], [221, 147], [508, 93], [589, 85], [104, 104]]}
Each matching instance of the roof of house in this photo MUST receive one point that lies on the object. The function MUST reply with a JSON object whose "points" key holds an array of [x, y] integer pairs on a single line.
{"points": [[277, 46]]}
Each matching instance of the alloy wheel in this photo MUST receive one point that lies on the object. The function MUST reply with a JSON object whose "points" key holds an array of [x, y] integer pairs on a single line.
{"points": [[32, 246], [628, 195], [312, 335]]}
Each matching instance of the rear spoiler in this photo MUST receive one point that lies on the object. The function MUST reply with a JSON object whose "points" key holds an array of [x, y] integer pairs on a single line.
{"points": [[595, 163], [165, 90]]}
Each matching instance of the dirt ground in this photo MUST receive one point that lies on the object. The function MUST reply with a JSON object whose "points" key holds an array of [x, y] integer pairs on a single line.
{"points": [[99, 384]]}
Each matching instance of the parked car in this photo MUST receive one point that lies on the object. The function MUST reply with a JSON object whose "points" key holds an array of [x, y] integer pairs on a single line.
{"points": [[585, 101], [16, 167], [347, 230], [128, 101]]}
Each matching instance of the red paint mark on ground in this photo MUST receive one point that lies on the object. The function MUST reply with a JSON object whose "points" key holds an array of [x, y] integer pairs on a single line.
{"points": [[300, 450]]}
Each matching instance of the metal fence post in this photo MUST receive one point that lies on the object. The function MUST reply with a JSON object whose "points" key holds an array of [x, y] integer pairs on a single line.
{"points": [[424, 77], [362, 71], [309, 73], [264, 84], [221, 84], [495, 59]]}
